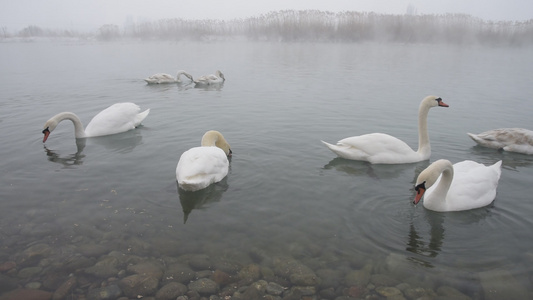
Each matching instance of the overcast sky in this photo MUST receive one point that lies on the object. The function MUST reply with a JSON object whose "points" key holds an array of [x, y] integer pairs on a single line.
{"points": [[90, 14]]}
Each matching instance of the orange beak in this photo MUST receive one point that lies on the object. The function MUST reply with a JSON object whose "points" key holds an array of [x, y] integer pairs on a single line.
{"points": [[46, 134], [441, 103], [419, 193]]}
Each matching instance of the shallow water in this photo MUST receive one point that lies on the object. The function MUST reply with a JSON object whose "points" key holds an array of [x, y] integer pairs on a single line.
{"points": [[285, 194]]}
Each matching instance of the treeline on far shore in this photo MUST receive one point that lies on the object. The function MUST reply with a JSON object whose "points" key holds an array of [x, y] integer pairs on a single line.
{"points": [[312, 25]]}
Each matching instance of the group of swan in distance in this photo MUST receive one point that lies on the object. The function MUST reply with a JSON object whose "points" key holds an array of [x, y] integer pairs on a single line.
{"points": [[119, 117], [161, 78], [204, 80], [201, 166]]}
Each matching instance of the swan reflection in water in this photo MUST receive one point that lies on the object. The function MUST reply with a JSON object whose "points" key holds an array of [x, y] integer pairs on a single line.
{"points": [[428, 244], [70, 160], [120, 143], [376, 171], [201, 199]]}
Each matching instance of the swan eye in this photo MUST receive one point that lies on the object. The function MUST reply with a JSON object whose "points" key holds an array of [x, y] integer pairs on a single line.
{"points": [[46, 130], [439, 99], [420, 186]]}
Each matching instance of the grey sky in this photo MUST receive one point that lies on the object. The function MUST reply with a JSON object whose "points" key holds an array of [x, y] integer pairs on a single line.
{"points": [[90, 14]]}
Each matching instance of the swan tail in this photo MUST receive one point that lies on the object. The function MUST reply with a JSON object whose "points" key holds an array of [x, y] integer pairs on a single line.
{"points": [[141, 116], [347, 152]]}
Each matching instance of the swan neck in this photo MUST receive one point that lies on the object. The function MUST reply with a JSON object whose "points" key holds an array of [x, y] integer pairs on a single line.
{"points": [[79, 131], [424, 148], [445, 181]]}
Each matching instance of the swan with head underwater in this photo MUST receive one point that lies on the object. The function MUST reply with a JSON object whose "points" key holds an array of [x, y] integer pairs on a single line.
{"points": [[161, 78], [518, 140], [211, 79], [117, 118], [201, 166], [462, 186], [380, 148]]}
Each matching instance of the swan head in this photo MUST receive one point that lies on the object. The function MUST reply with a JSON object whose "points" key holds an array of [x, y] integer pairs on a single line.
{"points": [[433, 101], [48, 127], [219, 74], [182, 72], [215, 138], [429, 176]]}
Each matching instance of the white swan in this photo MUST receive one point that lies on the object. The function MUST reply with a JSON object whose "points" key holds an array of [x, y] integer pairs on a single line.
{"points": [[217, 78], [509, 139], [380, 148], [201, 166], [160, 78], [117, 118], [465, 185]]}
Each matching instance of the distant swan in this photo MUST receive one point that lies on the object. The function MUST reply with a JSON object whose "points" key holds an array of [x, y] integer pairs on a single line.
{"points": [[117, 118], [380, 148], [210, 79], [201, 166], [509, 139], [160, 78], [462, 186]]}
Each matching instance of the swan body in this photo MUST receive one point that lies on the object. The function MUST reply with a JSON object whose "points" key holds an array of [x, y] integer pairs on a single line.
{"points": [[117, 118], [216, 78], [509, 139], [160, 78], [380, 148], [201, 166], [462, 186]]}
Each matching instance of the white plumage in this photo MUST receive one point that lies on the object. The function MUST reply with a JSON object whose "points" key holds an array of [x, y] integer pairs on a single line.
{"points": [[462, 186], [380, 148], [161, 78], [211, 79], [117, 118], [202, 166], [509, 139]]}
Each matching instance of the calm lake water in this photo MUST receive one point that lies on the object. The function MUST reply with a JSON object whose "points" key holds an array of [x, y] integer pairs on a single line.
{"points": [[286, 194]]}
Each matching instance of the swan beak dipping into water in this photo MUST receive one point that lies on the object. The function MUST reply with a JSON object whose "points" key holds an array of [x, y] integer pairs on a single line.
{"points": [[119, 117], [202, 166]]}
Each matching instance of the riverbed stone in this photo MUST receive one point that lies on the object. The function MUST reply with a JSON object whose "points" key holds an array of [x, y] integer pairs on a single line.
{"points": [[93, 250], [250, 273], [104, 268], [33, 254], [138, 285], [150, 267], [109, 292], [296, 272], [204, 286], [178, 272], [26, 294], [29, 272], [200, 262], [171, 291], [64, 289]]}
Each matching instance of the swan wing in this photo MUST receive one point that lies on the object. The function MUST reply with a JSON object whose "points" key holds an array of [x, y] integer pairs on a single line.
{"points": [[160, 78], [473, 186], [376, 148], [119, 117], [509, 139], [199, 167]]}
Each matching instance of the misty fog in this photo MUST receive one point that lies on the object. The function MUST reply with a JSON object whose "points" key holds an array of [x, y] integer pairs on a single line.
{"points": [[309, 25]]}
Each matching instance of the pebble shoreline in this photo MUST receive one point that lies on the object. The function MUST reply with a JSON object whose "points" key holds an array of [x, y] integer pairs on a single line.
{"points": [[97, 272]]}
